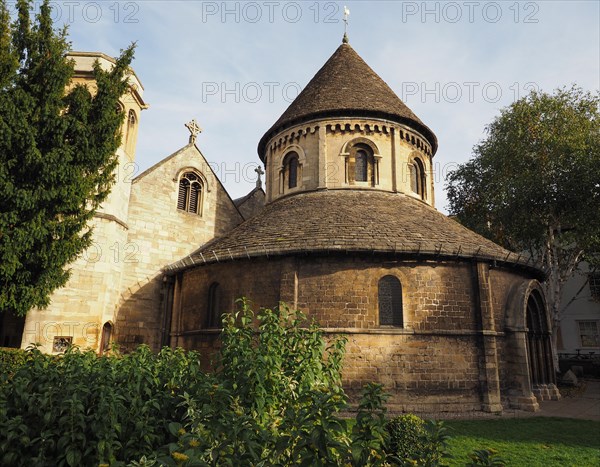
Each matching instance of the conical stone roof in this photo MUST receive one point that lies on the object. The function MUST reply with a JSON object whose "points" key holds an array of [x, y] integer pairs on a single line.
{"points": [[352, 222], [347, 87]]}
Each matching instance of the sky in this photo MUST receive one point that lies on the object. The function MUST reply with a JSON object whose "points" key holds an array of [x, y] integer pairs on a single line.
{"points": [[236, 66]]}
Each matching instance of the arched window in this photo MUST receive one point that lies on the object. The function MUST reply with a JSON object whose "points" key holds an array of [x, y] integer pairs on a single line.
{"points": [[213, 312], [361, 165], [190, 193], [390, 301], [107, 330], [290, 170], [417, 177]]}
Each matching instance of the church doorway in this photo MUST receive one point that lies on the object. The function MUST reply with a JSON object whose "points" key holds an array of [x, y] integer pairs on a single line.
{"points": [[539, 347]]}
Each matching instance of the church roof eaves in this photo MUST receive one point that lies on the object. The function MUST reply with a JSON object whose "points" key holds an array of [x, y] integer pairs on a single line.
{"points": [[346, 86], [356, 222]]}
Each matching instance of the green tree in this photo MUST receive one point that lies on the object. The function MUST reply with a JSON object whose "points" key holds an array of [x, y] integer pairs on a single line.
{"points": [[533, 184], [57, 154]]}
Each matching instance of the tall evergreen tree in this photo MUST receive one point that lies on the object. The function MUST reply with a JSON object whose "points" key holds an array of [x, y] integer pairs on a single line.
{"points": [[57, 154], [533, 184]]}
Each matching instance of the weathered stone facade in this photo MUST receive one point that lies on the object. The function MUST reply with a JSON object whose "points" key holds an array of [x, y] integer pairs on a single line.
{"points": [[455, 352], [439, 315], [79, 310], [160, 232], [346, 231]]}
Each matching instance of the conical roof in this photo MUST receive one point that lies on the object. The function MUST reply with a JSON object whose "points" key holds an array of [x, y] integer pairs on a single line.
{"points": [[347, 87], [351, 222]]}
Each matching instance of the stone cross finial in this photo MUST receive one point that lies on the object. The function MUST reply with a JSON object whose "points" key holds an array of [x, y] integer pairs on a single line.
{"points": [[194, 129], [259, 171]]}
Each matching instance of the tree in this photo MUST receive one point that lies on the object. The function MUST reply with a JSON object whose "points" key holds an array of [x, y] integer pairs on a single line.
{"points": [[57, 154], [533, 184]]}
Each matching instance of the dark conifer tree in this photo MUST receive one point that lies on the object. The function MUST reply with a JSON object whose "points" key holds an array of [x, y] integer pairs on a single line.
{"points": [[57, 154]]}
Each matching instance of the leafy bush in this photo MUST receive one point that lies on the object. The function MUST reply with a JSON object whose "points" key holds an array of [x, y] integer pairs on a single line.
{"points": [[275, 398], [406, 435], [414, 441], [81, 409], [10, 361]]}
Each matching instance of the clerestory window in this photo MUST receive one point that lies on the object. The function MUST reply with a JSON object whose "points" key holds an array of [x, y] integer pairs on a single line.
{"points": [[291, 165], [417, 177]]}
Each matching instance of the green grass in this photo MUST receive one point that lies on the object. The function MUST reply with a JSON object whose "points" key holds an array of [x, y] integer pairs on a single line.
{"points": [[535, 441]]}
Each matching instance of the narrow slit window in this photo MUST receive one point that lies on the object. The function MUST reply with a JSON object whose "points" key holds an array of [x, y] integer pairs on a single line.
{"points": [[293, 173], [291, 169], [417, 177], [214, 306]]}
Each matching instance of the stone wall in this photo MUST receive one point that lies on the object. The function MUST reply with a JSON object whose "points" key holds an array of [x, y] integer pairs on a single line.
{"points": [[161, 234], [322, 150], [78, 311], [444, 358]]}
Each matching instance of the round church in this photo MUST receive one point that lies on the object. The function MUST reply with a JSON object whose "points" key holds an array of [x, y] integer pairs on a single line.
{"points": [[445, 319]]}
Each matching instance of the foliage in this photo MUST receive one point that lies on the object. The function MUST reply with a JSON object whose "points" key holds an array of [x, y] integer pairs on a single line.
{"points": [[406, 434], [276, 400], [57, 154], [414, 441], [537, 170], [526, 441], [487, 457], [532, 185], [81, 409]]}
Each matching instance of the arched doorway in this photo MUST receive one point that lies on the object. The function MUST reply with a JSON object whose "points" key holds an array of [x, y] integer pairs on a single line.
{"points": [[539, 346], [107, 331]]}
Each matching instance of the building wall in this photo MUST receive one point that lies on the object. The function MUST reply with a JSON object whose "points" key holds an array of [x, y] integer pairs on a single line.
{"points": [[322, 147], [578, 304], [445, 357], [78, 310], [161, 234]]}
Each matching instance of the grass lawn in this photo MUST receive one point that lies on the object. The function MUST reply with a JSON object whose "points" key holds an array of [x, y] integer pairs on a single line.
{"points": [[535, 441]]}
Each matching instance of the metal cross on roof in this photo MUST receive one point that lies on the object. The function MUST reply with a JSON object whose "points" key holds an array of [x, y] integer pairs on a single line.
{"points": [[346, 14], [194, 129], [259, 171]]}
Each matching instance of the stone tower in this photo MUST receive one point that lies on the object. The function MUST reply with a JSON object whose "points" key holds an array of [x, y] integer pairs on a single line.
{"points": [[350, 236], [83, 311], [336, 132]]}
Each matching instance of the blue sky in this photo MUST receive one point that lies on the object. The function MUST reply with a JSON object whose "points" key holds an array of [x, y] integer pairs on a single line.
{"points": [[236, 66]]}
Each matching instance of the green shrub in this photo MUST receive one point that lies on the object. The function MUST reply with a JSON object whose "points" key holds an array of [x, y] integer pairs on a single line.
{"points": [[275, 400], [81, 409], [406, 436], [414, 441], [10, 361]]}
